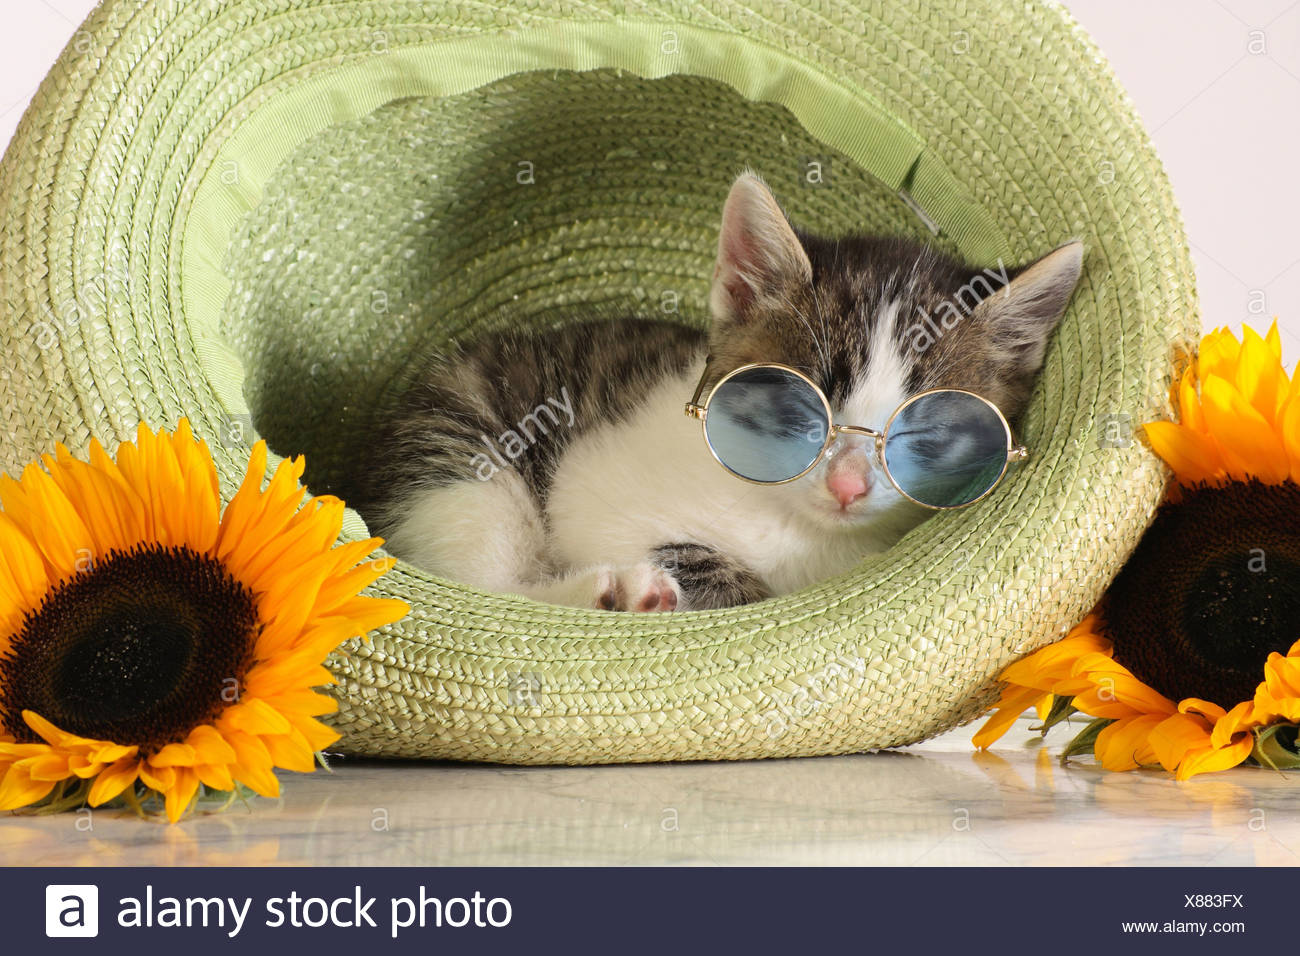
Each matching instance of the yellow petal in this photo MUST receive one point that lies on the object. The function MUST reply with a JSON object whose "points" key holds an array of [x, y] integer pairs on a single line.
{"points": [[1211, 759], [253, 765], [181, 795], [1192, 456], [1009, 708], [23, 578], [1259, 375], [215, 776], [300, 700], [67, 479], [11, 751], [253, 517], [1124, 745], [160, 779], [1043, 706], [342, 587], [108, 752], [1177, 735], [1274, 341], [165, 489], [18, 789], [270, 680], [254, 716], [1047, 666], [1234, 722], [369, 614], [318, 736], [1205, 708], [289, 604], [1289, 426], [174, 755], [51, 734], [199, 478], [83, 766], [1249, 446], [290, 751], [113, 780], [52, 766], [45, 515], [209, 746], [1189, 402], [1268, 708], [1283, 675], [1218, 355], [1114, 687], [1279, 693]]}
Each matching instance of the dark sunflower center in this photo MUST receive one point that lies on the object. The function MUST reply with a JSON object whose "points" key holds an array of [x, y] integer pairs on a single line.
{"points": [[139, 650], [1249, 605], [1212, 589]]}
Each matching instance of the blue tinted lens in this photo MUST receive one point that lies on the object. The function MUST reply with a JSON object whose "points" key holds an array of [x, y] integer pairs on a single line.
{"points": [[947, 448], [766, 424]]}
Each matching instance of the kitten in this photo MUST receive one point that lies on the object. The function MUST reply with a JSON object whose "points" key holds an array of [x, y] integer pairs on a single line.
{"points": [[560, 465]]}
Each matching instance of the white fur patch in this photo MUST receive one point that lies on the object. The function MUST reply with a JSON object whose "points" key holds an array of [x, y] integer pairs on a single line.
{"points": [[484, 533], [881, 385]]}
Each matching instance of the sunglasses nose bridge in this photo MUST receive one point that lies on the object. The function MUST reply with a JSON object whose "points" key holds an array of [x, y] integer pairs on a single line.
{"points": [[855, 430], [859, 431], [872, 444]]}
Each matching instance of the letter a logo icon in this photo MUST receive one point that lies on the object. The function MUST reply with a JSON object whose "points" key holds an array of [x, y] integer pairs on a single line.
{"points": [[71, 909]]}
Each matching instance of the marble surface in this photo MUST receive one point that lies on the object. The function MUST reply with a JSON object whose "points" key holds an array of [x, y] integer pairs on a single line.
{"points": [[938, 803]]}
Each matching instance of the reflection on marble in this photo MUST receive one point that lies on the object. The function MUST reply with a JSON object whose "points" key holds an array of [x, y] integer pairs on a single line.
{"points": [[938, 803]]}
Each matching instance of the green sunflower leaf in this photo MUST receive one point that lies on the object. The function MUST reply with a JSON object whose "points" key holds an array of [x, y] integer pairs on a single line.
{"points": [[1062, 707], [1085, 739], [1276, 747]]}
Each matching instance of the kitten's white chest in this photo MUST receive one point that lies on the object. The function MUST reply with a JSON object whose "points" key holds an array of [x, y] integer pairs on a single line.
{"points": [[624, 489]]}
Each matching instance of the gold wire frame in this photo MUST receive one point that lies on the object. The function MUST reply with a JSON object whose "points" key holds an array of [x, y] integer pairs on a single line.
{"points": [[695, 409]]}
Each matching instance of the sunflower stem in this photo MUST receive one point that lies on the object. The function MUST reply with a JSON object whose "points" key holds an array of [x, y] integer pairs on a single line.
{"points": [[1274, 753], [1085, 740], [68, 794], [128, 797], [1062, 708]]}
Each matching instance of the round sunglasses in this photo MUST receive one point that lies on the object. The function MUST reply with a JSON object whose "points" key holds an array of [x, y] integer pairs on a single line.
{"points": [[770, 424]]}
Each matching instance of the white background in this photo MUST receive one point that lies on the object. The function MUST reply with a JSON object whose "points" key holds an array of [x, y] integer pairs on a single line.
{"points": [[1217, 83]]}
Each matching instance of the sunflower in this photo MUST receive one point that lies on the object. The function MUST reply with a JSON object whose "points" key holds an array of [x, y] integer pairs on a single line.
{"points": [[1239, 413], [151, 645], [1190, 661]]}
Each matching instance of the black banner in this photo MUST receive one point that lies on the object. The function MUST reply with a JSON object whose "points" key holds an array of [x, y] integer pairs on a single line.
{"points": [[635, 910]]}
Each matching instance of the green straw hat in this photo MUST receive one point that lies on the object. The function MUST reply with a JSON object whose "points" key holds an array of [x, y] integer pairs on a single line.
{"points": [[257, 213]]}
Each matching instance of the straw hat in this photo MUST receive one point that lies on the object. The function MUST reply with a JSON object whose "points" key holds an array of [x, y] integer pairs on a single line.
{"points": [[256, 212]]}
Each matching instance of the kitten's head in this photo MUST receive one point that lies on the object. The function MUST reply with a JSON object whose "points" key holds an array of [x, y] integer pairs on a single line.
{"points": [[874, 321]]}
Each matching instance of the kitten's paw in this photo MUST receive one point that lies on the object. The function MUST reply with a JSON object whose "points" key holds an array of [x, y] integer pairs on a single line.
{"points": [[642, 587]]}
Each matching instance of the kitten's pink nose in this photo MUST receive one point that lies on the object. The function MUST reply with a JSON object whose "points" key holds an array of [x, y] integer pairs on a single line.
{"points": [[847, 486]]}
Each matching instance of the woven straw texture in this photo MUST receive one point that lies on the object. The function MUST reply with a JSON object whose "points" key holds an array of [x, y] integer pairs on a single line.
{"points": [[256, 213]]}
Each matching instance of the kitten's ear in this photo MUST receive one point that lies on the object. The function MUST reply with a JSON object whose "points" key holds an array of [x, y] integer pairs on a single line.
{"points": [[757, 249], [1022, 314]]}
